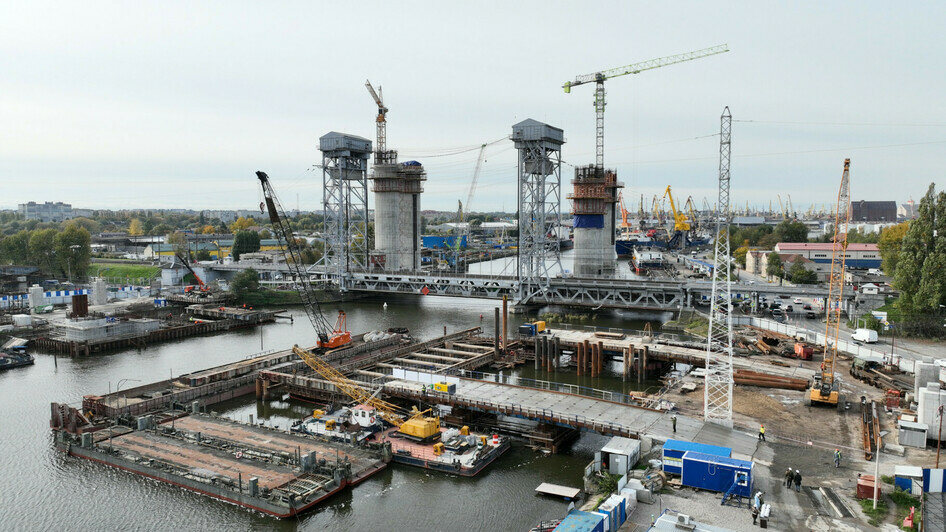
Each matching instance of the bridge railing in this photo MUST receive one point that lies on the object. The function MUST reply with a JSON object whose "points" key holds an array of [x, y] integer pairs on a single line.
{"points": [[584, 391]]}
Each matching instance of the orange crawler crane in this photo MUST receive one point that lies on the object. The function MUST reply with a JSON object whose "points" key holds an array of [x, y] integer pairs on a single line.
{"points": [[328, 337], [825, 390]]}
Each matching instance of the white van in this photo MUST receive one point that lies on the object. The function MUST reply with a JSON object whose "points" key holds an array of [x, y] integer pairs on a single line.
{"points": [[868, 336]]}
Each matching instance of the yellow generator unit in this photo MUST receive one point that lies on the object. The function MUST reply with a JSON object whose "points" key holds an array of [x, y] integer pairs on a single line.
{"points": [[539, 326], [464, 430], [438, 449], [317, 413], [443, 387], [422, 429], [330, 424]]}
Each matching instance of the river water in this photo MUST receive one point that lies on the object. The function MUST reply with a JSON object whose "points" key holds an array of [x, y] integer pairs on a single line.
{"points": [[43, 489]]}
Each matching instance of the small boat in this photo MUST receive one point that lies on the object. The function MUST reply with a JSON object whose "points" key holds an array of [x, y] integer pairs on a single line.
{"points": [[13, 354]]}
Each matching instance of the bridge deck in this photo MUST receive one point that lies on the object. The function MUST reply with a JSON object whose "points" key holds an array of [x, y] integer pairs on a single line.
{"points": [[577, 411]]}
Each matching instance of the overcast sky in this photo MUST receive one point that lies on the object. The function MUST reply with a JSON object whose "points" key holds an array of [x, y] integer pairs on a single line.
{"points": [[176, 104]]}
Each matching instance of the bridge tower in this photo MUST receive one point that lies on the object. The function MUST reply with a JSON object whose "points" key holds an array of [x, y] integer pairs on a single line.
{"points": [[594, 198], [540, 185], [717, 391], [345, 203]]}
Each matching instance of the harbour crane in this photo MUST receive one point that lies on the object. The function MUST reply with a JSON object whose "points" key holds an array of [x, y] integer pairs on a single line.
{"points": [[681, 227], [624, 225], [328, 337], [417, 426], [690, 209], [381, 122], [600, 77], [825, 389], [461, 230]]}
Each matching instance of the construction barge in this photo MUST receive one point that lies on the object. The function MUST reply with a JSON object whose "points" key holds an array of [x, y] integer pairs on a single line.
{"points": [[161, 431], [84, 336], [259, 468]]}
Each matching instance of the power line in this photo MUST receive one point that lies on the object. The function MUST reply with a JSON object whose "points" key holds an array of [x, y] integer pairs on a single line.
{"points": [[852, 124]]}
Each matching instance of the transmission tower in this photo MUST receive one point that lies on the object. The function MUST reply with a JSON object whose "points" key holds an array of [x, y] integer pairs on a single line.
{"points": [[540, 186], [345, 201], [717, 391]]}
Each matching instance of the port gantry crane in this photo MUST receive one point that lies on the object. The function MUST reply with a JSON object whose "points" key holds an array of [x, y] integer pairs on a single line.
{"points": [[600, 77], [825, 389], [381, 123], [328, 337]]}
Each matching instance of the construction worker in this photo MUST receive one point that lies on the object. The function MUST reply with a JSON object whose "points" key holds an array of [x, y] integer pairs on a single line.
{"points": [[837, 458], [797, 480], [673, 421], [761, 432], [789, 477]]}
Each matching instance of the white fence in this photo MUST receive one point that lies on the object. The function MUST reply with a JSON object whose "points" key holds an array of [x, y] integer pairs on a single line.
{"points": [[422, 376], [818, 338]]}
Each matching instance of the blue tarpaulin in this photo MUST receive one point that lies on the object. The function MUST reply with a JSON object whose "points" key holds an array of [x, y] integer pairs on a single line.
{"points": [[588, 221]]}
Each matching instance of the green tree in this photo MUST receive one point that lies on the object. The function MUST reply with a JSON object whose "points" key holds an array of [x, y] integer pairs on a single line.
{"points": [[42, 250], [245, 242], [740, 255], [74, 250], [891, 239], [92, 226], [791, 231], [774, 266], [918, 254], [244, 283], [798, 274], [14, 249]]}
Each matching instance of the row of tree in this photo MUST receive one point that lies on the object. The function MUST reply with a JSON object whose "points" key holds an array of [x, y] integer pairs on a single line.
{"points": [[55, 252]]}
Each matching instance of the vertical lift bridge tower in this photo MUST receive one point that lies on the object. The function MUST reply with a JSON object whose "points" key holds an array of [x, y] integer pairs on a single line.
{"points": [[345, 202], [397, 189], [540, 184]]}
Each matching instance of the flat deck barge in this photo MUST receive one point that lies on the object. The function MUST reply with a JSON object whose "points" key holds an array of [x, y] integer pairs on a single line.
{"points": [[467, 464], [266, 470]]}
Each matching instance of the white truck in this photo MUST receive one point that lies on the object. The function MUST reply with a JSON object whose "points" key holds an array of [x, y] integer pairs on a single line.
{"points": [[868, 336]]}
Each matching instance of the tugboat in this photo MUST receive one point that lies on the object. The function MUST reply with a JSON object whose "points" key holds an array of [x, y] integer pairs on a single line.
{"points": [[13, 354]]}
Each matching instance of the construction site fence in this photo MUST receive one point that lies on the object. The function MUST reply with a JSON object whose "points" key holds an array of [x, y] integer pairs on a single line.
{"points": [[561, 387], [515, 410], [817, 338]]}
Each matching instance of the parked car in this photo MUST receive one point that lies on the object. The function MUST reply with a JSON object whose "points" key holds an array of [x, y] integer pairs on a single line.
{"points": [[797, 301], [807, 306], [811, 315], [789, 309]]}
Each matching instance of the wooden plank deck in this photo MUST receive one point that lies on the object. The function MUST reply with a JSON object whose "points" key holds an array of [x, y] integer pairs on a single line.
{"points": [[556, 490]]}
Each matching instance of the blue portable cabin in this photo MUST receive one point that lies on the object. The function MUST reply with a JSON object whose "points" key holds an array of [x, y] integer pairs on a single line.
{"points": [[673, 451], [578, 521], [717, 473]]}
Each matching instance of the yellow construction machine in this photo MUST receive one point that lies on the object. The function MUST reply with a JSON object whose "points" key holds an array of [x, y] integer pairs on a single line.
{"points": [[418, 426], [825, 390]]}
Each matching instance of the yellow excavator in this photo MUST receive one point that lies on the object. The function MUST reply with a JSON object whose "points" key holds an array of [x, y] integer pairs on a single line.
{"points": [[825, 389], [417, 426]]}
